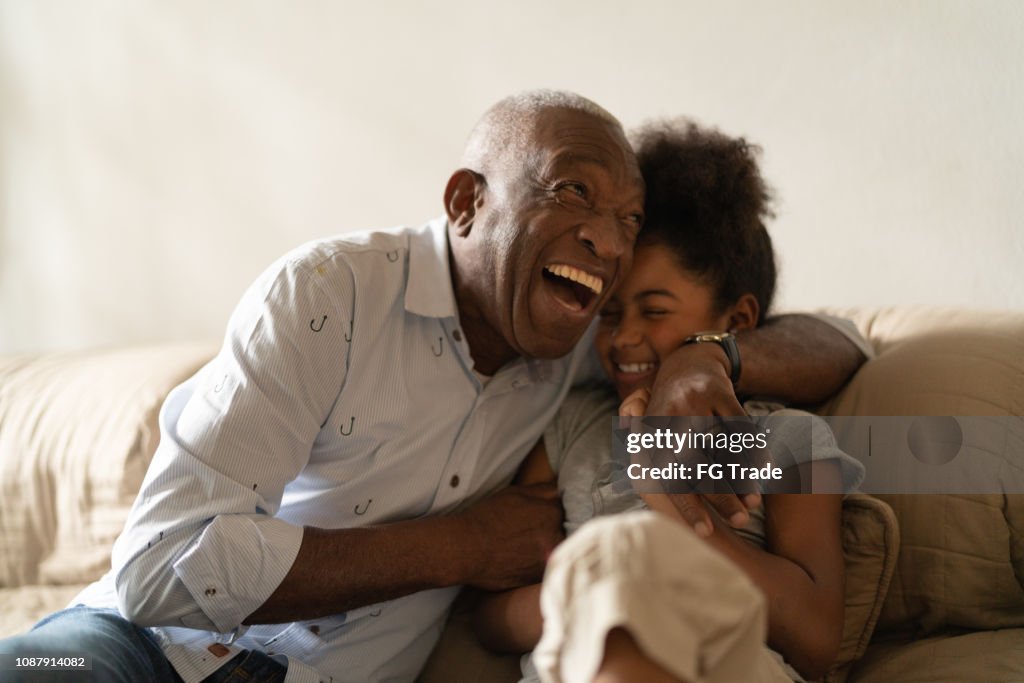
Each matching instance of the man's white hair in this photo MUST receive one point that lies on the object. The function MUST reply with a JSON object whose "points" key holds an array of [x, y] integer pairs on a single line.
{"points": [[506, 130]]}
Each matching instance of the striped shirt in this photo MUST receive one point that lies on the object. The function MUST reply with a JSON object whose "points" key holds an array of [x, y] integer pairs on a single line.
{"points": [[344, 395]]}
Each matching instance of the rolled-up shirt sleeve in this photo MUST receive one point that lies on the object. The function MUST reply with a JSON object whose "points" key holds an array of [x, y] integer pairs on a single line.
{"points": [[202, 547], [849, 330]]}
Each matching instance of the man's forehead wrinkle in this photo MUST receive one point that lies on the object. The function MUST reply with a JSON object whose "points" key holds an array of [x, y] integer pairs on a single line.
{"points": [[599, 146], [572, 158], [566, 130], [593, 132], [532, 141], [621, 166], [586, 145]]}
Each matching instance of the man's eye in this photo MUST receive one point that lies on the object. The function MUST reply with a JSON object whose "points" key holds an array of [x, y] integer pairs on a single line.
{"points": [[632, 224], [654, 312], [573, 189]]}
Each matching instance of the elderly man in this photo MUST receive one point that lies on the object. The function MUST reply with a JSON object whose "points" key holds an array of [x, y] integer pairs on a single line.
{"points": [[325, 484]]}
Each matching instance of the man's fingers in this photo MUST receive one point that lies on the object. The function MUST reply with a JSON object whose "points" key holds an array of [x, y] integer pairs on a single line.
{"points": [[692, 509], [728, 405]]}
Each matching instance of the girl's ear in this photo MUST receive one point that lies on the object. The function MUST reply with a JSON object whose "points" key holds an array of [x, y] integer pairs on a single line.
{"points": [[744, 313]]}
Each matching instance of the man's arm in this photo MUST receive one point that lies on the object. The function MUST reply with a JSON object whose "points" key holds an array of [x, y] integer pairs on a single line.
{"points": [[499, 543], [204, 548], [799, 359]]}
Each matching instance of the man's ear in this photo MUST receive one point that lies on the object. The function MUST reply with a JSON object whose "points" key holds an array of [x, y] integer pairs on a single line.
{"points": [[744, 313], [462, 197]]}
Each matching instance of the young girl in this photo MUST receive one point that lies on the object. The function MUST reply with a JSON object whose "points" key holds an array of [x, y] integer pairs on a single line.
{"points": [[703, 262]]}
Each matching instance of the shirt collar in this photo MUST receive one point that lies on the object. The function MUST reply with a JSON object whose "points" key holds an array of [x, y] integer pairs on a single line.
{"points": [[428, 291]]}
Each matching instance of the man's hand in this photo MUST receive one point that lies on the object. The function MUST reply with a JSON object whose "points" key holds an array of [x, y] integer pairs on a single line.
{"points": [[693, 381], [500, 542], [511, 534]]}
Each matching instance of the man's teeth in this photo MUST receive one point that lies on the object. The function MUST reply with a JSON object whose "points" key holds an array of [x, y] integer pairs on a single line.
{"points": [[592, 282], [636, 367]]}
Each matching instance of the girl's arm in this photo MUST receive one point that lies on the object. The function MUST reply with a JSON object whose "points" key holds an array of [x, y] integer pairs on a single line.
{"points": [[510, 621], [800, 572]]}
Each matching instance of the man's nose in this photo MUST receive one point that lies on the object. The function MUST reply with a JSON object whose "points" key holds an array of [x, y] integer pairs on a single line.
{"points": [[604, 237]]}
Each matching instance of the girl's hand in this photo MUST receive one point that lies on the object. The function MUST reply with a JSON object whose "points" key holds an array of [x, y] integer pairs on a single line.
{"points": [[635, 404]]}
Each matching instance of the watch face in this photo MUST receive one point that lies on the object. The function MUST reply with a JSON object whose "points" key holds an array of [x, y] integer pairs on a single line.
{"points": [[710, 336], [728, 343]]}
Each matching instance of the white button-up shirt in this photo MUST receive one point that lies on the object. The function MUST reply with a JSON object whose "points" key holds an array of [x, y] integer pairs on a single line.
{"points": [[343, 396]]}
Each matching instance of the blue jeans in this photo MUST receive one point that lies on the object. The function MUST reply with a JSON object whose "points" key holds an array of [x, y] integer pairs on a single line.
{"points": [[119, 650]]}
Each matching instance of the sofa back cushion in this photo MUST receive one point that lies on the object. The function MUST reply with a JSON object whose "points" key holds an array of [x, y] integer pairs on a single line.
{"points": [[961, 560], [77, 431]]}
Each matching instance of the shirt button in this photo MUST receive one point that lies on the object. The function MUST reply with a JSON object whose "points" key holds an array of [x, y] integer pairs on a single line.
{"points": [[457, 335], [210, 592], [454, 481]]}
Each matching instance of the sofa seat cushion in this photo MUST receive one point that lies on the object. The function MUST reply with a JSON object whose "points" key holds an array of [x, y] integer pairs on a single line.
{"points": [[955, 567], [22, 607], [986, 656]]}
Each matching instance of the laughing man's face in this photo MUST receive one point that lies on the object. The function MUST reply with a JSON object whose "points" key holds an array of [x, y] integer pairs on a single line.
{"points": [[560, 228]]}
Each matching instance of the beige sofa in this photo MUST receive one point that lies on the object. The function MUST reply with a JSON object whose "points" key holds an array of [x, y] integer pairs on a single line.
{"points": [[935, 588]]}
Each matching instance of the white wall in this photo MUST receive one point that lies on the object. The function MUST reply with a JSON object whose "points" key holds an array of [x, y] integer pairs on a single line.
{"points": [[155, 156]]}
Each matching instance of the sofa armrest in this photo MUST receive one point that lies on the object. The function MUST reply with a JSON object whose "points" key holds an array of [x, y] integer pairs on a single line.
{"points": [[77, 431]]}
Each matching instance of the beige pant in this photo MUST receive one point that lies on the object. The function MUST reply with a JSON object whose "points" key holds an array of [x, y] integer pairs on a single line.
{"points": [[689, 609]]}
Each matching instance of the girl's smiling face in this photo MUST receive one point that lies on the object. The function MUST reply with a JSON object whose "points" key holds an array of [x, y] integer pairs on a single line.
{"points": [[656, 308]]}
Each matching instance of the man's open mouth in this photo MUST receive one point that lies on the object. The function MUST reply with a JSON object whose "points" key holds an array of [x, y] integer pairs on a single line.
{"points": [[575, 288]]}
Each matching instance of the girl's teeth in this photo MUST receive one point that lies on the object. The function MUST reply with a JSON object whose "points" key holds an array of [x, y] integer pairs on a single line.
{"points": [[636, 367]]}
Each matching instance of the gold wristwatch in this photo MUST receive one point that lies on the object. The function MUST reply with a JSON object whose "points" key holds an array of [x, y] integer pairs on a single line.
{"points": [[728, 343]]}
